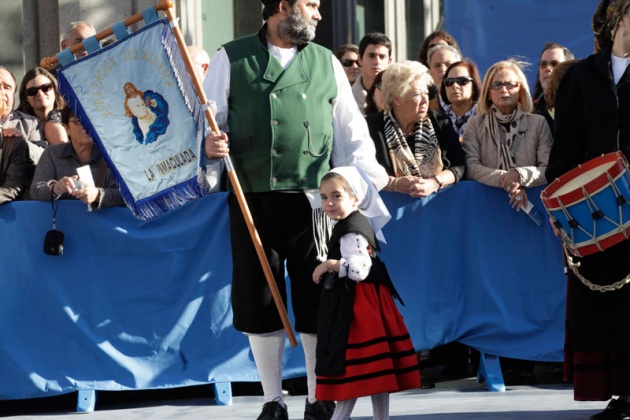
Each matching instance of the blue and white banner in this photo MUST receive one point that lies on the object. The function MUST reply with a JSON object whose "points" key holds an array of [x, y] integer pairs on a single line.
{"points": [[135, 98]]}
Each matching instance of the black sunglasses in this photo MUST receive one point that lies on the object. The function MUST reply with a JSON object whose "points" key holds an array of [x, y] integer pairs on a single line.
{"points": [[32, 91], [348, 63], [462, 81]]}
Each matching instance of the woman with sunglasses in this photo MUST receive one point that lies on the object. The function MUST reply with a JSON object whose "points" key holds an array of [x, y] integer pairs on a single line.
{"points": [[348, 55], [460, 91], [411, 144], [39, 97], [56, 174]]}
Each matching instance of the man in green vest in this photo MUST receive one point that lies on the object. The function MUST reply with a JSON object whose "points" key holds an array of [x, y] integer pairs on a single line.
{"points": [[288, 109]]}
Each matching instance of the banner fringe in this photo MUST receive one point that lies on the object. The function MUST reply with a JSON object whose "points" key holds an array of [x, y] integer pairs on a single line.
{"points": [[172, 197]]}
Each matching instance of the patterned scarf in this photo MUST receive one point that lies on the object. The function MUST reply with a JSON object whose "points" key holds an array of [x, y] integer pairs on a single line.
{"points": [[426, 158], [459, 123], [508, 144]]}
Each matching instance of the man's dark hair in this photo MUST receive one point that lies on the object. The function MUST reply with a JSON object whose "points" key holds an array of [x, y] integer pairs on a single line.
{"points": [[270, 9], [374, 38], [568, 55]]}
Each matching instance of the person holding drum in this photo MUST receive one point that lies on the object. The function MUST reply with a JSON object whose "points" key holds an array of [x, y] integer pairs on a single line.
{"points": [[507, 146], [592, 109]]}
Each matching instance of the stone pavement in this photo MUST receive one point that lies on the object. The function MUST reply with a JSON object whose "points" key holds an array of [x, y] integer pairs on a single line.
{"points": [[451, 399]]}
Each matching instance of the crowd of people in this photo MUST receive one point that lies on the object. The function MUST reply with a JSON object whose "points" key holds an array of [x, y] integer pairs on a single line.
{"points": [[53, 139], [413, 127]]}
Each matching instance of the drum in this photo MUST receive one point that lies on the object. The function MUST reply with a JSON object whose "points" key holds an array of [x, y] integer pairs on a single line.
{"points": [[590, 204]]}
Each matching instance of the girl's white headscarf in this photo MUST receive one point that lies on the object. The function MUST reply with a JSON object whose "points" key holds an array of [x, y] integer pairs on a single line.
{"points": [[370, 203]]}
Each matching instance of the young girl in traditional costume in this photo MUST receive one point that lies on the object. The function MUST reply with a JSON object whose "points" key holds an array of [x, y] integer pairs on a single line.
{"points": [[363, 346]]}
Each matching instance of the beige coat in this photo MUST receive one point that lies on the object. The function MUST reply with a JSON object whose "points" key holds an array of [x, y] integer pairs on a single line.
{"points": [[482, 154]]}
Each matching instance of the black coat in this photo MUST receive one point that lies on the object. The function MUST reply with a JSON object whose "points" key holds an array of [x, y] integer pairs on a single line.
{"points": [[453, 155], [540, 108], [590, 113], [13, 153]]}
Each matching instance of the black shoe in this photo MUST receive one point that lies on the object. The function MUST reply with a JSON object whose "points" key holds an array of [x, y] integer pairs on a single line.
{"points": [[615, 410], [319, 410], [273, 410], [426, 384]]}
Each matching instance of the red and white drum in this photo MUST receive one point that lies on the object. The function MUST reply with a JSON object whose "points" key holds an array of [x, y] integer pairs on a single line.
{"points": [[590, 204]]}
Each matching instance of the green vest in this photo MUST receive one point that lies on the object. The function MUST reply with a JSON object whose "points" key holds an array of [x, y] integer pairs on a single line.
{"points": [[280, 121]]}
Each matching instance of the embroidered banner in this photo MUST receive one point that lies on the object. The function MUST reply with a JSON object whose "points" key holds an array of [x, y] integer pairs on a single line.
{"points": [[135, 98]]}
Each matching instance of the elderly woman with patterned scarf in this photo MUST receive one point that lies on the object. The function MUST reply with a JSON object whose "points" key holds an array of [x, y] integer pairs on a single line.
{"points": [[410, 143], [506, 145]]}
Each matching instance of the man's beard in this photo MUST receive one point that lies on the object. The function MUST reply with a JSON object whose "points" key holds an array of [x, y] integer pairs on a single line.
{"points": [[296, 29]]}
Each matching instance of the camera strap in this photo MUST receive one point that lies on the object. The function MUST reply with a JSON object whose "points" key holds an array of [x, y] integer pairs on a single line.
{"points": [[55, 206]]}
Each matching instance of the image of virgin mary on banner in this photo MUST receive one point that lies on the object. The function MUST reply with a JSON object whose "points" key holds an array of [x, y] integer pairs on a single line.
{"points": [[136, 100]]}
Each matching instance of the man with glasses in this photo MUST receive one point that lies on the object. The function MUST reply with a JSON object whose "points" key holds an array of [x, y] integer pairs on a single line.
{"points": [[375, 55], [552, 54]]}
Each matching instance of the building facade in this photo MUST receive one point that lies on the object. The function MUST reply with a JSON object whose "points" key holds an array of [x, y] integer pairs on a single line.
{"points": [[31, 29]]}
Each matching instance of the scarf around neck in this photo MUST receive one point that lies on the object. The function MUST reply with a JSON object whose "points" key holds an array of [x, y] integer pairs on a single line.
{"points": [[425, 160], [459, 123], [508, 144]]}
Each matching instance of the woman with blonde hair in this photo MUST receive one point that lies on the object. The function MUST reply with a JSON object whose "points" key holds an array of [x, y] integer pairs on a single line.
{"points": [[410, 143], [506, 145]]}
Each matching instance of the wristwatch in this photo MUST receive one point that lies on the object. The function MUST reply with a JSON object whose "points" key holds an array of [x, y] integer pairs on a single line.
{"points": [[439, 180]]}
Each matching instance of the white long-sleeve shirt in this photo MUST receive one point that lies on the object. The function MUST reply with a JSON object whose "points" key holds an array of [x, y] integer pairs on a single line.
{"points": [[355, 261], [352, 145]]}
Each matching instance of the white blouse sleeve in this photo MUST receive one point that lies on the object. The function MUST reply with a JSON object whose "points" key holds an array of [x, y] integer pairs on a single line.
{"points": [[355, 257]]}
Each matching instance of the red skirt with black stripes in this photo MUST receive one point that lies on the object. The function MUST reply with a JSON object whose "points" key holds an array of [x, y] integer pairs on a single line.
{"points": [[380, 356]]}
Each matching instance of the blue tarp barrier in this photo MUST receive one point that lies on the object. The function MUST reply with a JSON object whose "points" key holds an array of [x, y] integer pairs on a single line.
{"points": [[146, 304], [488, 31]]}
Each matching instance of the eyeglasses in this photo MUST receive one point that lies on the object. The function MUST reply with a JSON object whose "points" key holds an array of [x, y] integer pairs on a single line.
{"points": [[32, 91], [348, 63], [378, 86], [508, 85], [543, 64], [462, 81]]}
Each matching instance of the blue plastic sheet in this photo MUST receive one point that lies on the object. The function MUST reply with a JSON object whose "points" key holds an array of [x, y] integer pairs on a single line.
{"points": [[146, 304], [488, 31]]}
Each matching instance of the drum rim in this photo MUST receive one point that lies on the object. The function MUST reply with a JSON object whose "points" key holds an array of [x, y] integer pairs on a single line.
{"points": [[617, 161], [600, 243]]}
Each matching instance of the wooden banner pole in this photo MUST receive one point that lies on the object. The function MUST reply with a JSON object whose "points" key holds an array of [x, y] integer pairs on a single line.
{"points": [[238, 191]]}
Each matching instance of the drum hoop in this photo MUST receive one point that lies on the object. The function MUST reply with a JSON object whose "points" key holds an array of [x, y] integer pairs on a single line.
{"points": [[593, 246], [615, 170]]}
